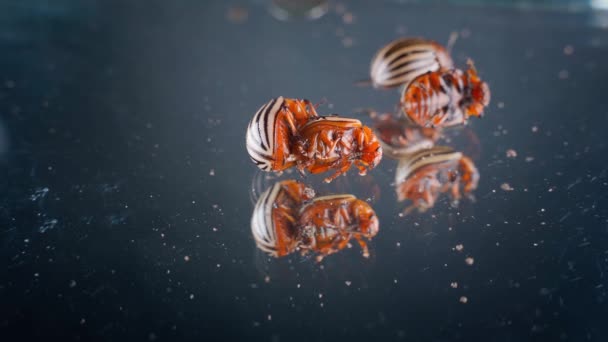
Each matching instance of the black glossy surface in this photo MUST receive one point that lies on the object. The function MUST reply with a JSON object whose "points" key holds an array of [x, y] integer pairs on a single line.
{"points": [[125, 182]]}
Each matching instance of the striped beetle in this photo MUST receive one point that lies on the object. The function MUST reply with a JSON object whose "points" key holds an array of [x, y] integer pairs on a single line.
{"points": [[286, 219], [422, 176], [275, 215], [272, 130], [403, 60]]}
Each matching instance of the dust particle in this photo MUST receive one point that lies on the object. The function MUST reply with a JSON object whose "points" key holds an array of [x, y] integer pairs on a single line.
{"points": [[534, 129], [563, 74], [500, 105], [347, 283], [506, 187], [568, 50], [348, 18], [464, 300], [459, 247], [511, 153], [212, 172], [348, 42], [237, 14], [267, 279], [72, 283], [454, 285], [469, 261], [186, 258]]}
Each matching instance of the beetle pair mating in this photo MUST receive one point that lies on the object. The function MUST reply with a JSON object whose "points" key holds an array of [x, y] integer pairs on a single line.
{"points": [[434, 93], [287, 218], [289, 132]]}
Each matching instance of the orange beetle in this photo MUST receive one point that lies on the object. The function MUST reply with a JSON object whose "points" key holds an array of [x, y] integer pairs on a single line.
{"points": [[328, 223], [445, 98], [332, 142], [287, 218], [272, 130], [422, 176]]}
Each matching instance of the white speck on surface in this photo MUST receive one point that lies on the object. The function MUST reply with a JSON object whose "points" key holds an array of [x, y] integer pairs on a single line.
{"points": [[39, 193], [463, 299], [459, 247], [511, 153], [72, 283], [186, 258], [506, 187], [298, 286], [568, 50], [534, 129], [454, 285], [191, 296], [267, 279], [500, 105], [48, 224], [82, 321], [469, 261], [348, 18], [269, 317], [347, 283], [563, 74], [212, 172], [320, 295], [214, 229], [348, 42], [398, 244]]}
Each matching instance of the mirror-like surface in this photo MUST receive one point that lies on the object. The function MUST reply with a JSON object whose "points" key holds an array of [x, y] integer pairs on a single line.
{"points": [[127, 189]]}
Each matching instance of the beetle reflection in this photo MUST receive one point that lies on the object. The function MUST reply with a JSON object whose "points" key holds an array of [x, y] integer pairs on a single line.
{"points": [[400, 137], [424, 175], [288, 218]]}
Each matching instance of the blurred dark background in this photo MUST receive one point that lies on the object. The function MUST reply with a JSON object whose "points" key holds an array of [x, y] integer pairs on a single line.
{"points": [[126, 186]]}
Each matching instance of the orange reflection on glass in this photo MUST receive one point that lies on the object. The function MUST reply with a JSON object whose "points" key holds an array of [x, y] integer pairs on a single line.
{"points": [[287, 219], [424, 175], [400, 137]]}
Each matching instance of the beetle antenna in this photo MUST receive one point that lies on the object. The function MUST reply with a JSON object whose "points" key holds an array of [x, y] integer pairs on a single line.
{"points": [[363, 83], [451, 41]]}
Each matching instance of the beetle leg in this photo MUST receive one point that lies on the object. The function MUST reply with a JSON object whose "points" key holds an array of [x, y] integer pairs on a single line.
{"points": [[312, 109], [363, 245], [288, 115], [470, 175], [342, 169], [312, 148]]}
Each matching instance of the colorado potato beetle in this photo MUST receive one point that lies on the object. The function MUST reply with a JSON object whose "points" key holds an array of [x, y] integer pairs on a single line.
{"points": [[332, 142], [287, 218], [424, 175], [327, 224], [403, 60], [275, 215], [445, 98], [271, 132]]}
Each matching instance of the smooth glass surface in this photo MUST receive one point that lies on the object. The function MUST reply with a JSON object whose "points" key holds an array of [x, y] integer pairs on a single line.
{"points": [[126, 187]]}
